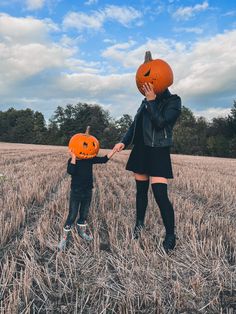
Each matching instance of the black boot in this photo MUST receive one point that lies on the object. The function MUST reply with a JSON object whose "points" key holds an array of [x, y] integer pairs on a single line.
{"points": [[169, 242], [137, 229]]}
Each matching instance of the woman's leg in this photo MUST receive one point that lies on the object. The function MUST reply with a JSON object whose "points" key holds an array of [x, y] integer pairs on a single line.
{"points": [[142, 184], [159, 187]]}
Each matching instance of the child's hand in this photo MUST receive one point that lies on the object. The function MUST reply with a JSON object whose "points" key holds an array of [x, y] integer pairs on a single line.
{"points": [[73, 157], [111, 153]]}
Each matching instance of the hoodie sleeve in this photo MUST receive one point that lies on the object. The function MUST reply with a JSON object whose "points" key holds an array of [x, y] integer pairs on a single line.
{"points": [[100, 160], [71, 168]]}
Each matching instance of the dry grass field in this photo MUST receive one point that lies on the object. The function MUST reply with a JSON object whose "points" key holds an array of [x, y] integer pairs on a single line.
{"points": [[114, 274]]}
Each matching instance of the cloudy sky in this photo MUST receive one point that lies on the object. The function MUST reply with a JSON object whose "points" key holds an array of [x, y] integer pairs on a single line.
{"points": [[55, 52]]}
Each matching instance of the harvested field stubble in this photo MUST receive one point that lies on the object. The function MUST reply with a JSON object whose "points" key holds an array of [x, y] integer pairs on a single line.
{"points": [[112, 274]]}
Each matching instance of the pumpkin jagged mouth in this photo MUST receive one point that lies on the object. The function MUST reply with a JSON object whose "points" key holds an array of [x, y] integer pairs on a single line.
{"points": [[84, 154]]}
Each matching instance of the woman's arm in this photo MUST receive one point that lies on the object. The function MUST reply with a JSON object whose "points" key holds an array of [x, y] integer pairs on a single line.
{"points": [[126, 140], [171, 114]]}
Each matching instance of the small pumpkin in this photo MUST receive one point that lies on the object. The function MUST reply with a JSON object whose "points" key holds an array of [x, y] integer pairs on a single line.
{"points": [[157, 72], [84, 145]]}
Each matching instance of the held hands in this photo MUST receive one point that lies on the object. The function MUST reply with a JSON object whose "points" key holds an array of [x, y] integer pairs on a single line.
{"points": [[149, 91], [119, 147]]}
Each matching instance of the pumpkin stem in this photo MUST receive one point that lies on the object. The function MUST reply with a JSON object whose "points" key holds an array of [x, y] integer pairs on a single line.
{"points": [[87, 130], [148, 56]]}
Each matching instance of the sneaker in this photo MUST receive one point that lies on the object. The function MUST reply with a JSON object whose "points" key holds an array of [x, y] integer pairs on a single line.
{"points": [[84, 232], [169, 242], [67, 228], [137, 230]]}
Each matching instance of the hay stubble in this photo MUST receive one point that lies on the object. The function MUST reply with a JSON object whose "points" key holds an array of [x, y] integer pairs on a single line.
{"points": [[112, 274]]}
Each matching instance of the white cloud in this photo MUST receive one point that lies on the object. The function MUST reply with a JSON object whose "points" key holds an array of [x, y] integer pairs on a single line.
{"points": [[79, 20], [26, 49], [212, 112], [44, 73], [89, 2], [25, 29], [185, 13], [196, 30], [204, 72], [131, 57], [123, 15], [117, 51], [82, 21], [34, 4], [230, 13], [19, 62]]}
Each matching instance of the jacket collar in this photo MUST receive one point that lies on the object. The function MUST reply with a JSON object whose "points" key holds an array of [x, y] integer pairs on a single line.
{"points": [[161, 96]]}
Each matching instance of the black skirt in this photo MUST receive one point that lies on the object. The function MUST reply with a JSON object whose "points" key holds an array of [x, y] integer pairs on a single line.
{"points": [[153, 161]]}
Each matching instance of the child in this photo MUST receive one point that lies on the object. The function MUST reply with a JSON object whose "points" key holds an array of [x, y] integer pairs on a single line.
{"points": [[81, 171]]}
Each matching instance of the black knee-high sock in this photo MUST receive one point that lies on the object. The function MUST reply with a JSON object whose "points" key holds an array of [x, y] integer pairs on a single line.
{"points": [[166, 208], [141, 200]]}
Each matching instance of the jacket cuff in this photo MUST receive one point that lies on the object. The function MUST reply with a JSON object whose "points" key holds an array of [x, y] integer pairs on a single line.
{"points": [[123, 142]]}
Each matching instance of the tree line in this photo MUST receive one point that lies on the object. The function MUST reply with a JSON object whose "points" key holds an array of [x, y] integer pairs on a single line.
{"points": [[192, 136]]}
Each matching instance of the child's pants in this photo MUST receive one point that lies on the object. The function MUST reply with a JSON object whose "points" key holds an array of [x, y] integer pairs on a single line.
{"points": [[80, 200]]}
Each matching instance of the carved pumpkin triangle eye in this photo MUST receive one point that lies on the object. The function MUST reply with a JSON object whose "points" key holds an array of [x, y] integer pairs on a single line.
{"points": [[148, 73], [94, 144], [85, 145]]}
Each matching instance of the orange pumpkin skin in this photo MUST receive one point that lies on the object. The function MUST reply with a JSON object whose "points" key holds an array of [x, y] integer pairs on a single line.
{"points": [[84, 145], [157, 72]]}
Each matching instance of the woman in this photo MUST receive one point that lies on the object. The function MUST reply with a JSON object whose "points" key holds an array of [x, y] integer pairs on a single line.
{"points": [[151, 134]]}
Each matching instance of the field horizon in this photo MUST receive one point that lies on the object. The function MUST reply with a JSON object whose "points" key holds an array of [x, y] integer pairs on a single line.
{"points": [[113, 273]]}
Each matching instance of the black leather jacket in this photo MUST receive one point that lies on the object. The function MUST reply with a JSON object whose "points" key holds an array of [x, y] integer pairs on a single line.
{"points": [[159, 117]]}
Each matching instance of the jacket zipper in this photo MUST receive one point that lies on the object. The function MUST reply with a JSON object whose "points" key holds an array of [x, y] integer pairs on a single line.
{"points": [[165, 133], [153, 136]]}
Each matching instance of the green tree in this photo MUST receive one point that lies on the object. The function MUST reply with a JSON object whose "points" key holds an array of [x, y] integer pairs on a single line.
{"points": [[232, 121], [184, 135], [123, 124], [75, 119], [39, 128], [52, 136], [218, 146]]}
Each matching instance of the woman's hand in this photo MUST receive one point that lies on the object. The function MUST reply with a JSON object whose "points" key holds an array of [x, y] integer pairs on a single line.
{"points": [[149, 91], [119, 146]]}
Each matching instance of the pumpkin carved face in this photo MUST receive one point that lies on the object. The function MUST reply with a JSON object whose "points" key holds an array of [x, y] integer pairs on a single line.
{"points": [[157, 72], [84, 145]]}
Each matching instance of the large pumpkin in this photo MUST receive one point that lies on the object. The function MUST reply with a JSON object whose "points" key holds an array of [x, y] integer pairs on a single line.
{"points": [[157, 72], [84, 145]]}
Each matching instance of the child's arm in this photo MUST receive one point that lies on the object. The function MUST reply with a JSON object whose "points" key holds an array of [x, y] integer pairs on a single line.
{"points": [[111, 153], [71, 165], [104, 159]]}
